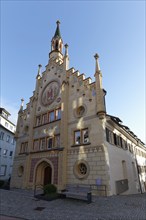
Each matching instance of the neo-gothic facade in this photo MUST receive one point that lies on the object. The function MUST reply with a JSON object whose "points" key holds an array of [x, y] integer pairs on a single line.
{"points": [[64, 136]]}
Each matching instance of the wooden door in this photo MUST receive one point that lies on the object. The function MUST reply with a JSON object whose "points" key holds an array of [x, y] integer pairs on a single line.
{"points": [[47, 175]]}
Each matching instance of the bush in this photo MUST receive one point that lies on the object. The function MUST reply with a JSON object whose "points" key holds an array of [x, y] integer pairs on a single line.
{"points": [[1, 183], [50, 189]]}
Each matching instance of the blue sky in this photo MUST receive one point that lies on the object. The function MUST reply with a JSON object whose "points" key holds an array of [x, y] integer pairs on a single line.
{"points": [[113, 29]]}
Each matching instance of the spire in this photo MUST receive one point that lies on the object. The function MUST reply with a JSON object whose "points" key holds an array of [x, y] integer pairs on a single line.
{"points": [[66, 49], [56, 45], [66, 57], [21, 106], [39, 72], [97, 68], [101, 110], [57, 33]]}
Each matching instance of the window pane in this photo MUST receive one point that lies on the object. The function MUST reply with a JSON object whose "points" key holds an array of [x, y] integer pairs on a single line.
{"points": [[25, 146], [85, 136], [44, 119], [22, 147], [50, 143], [6, 124], [13, 141], [77, 137], [38, 120], [1, 135], [8, 138], [58, 114], [11, 153], [43, 144], [5, 152], [51, 116]]}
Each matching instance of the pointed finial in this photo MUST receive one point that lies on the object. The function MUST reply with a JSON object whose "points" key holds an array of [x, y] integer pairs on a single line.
{"points": [[22, 102], [97, 68], [96, 56], [21, 106], [57, 32], [57, 22], [66, 49], [39, 71]]}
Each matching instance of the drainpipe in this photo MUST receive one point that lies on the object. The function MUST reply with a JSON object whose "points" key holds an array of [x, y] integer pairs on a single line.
{"points": [[138, 173]]}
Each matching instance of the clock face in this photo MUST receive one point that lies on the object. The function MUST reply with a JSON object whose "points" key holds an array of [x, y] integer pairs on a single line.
{"points": [[50, 93]]}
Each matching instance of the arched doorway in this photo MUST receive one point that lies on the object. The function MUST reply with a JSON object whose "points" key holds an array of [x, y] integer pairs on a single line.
{"points": [[43, 173], [47, 175]]}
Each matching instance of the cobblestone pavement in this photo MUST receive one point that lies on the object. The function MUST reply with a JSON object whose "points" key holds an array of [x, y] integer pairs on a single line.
{"points": [[20, 204]]}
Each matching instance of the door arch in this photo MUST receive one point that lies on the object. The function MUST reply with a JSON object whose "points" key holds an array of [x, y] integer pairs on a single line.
{"points": [[44, 173]]}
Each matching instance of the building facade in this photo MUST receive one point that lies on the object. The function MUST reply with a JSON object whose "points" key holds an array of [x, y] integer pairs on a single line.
{"points": [[7, 145], [64, 135]]}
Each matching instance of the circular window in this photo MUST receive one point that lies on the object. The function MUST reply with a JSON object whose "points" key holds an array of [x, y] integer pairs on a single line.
{"points": [[20, 171], [80, 111], [81, 169]]}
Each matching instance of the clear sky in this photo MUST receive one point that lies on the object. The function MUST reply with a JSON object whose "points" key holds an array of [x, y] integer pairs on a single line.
{"points": [[113, 29]]}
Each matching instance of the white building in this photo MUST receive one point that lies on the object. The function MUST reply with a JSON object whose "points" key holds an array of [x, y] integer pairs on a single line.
{"points": [[7, 144]]}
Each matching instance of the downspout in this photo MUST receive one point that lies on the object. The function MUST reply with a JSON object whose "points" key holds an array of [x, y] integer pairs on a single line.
{"points": [[138, 173]]}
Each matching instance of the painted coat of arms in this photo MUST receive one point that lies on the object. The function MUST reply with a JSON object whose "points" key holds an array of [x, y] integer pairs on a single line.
{"points": [[50, 93]]}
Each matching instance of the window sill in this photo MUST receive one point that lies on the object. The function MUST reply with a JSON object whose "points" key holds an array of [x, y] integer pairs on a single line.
{"points": [[47, 150], [82, 144], [24, 153], [36, 126]]}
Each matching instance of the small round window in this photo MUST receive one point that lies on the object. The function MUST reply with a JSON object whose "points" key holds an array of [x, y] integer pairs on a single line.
{"points": [[80, 111], [20, 171], [81, 169]]}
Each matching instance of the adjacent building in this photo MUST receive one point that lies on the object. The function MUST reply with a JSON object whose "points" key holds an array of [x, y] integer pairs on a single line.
{"points": [[7, 144], [65, 136]]}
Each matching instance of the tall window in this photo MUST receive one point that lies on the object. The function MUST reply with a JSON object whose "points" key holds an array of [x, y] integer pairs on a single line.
{"points": [[24, 147], [5, 152], [1, 135], [50, 142], [8, 138], [38, 120], [109, 136], [85, 137], [77, 136], [81, 136], [13, 141], [131, 148], [58, 113], [42, 144], [51, 116], [6, 124], [11, 153], [44, 118]]}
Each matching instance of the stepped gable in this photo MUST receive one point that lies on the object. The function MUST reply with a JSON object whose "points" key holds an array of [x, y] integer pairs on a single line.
{"points": [[70, 72], [82, 84]]}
